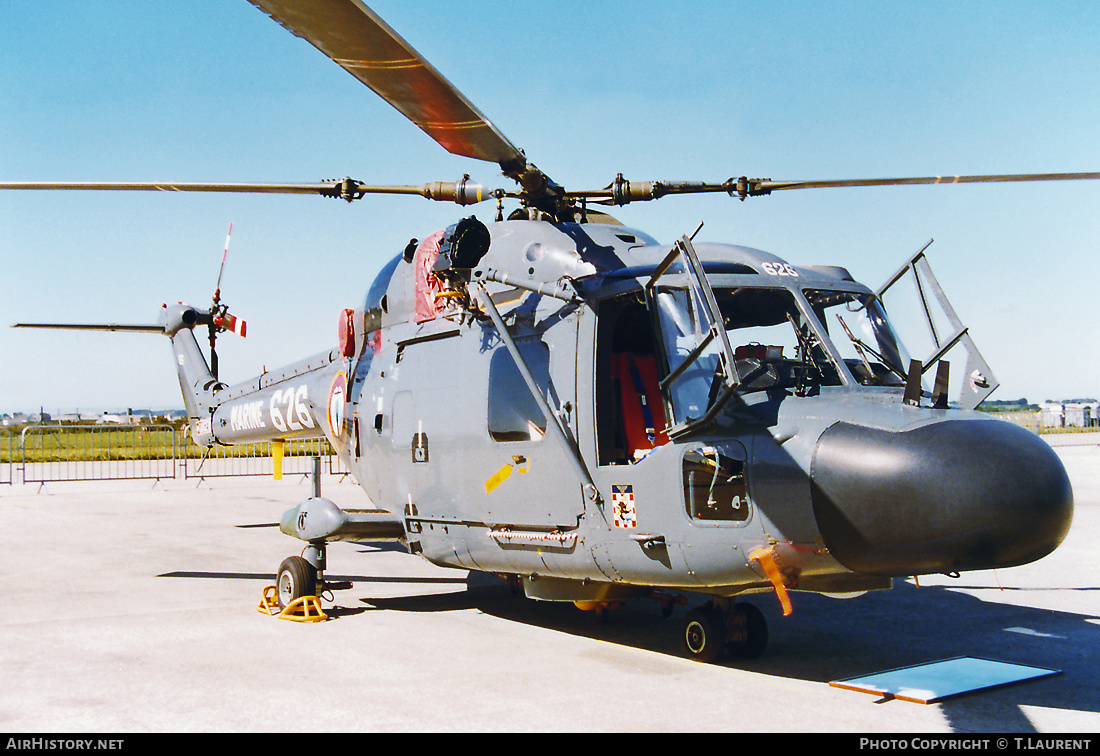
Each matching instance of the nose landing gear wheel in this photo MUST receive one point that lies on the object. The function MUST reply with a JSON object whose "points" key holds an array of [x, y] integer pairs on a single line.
{"points": [[704, 633], [296, 578]]}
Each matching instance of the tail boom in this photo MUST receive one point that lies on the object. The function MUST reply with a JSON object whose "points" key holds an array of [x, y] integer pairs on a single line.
{"points": [[275, 406]]}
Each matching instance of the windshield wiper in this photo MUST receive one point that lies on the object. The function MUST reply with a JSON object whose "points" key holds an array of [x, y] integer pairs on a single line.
{"points": [[860, 347]]}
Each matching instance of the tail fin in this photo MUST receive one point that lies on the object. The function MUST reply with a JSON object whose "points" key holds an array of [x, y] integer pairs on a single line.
{"points": [[197, 381]]}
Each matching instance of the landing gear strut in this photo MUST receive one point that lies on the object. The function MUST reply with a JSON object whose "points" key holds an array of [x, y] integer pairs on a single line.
{"points": [[303, 575], [710, 629]]}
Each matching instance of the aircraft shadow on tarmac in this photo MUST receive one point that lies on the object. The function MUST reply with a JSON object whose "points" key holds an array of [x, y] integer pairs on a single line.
{"points": [[825, 639], [830, 639]]}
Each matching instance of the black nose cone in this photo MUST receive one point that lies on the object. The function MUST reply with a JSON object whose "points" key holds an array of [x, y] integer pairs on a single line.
{"points": [[950, 496]]}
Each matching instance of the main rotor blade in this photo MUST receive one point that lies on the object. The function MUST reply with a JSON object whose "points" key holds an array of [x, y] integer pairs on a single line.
{"points": [[621, 191], [361, 43], [767, 185], [463, 192], [172, 186]]}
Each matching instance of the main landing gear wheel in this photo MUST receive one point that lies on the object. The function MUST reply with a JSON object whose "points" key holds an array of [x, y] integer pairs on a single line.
{"points": [[296, 578], [748, 632], [708, 631], [704, 633]]}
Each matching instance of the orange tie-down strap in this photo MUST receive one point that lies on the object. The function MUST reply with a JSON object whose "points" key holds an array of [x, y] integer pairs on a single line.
{"points": [[766, 559]]}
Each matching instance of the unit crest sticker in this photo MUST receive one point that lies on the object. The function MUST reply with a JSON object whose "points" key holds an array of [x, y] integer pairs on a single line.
{"points": [[623, 511]]}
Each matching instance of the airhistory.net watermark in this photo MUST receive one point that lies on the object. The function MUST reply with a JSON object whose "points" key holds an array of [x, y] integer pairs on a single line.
{"points": [[64, 744]]}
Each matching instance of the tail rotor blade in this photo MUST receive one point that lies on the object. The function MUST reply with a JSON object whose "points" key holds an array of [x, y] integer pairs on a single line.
{"points": [[225, 253], [227, 322], [220, 319]]}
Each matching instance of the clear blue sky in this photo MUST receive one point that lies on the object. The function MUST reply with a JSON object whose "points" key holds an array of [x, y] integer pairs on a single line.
{"points": [[213, 90]]}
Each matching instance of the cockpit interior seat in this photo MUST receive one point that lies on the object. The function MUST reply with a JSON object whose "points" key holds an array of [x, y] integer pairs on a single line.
{"points": [[642, 412]]}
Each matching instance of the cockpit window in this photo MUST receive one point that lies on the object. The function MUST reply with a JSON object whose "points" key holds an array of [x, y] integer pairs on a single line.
{"points": [[714, 486], [772, 346], [693, 356], [514, 415], [718, 343], [858, 327]]}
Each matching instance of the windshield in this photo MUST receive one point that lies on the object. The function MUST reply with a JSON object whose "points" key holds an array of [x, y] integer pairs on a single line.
{"points": [[735, 340], [694, 358], [771, 343], [858, 327]]}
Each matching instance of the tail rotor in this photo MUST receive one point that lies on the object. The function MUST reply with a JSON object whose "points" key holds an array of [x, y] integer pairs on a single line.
{"points": [[220, 318]]}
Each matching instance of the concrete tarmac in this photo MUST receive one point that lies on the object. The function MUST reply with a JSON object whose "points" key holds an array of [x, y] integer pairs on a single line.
{"points": [[131, 608]]}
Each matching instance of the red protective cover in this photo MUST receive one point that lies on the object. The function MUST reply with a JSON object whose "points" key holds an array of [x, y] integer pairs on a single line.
{"points": [[634, 422], [427, 284], [347, 333]]}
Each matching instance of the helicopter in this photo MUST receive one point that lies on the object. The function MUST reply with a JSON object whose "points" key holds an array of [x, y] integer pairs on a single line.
{"points": [[561, 400]]}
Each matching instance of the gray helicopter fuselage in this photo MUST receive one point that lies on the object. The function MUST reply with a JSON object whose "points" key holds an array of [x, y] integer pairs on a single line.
{"points": [[598, 416], [441, 430], [560, 410]]}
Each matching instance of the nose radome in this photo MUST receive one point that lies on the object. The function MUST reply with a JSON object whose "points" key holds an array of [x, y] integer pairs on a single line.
{"points": [[949, 496]]}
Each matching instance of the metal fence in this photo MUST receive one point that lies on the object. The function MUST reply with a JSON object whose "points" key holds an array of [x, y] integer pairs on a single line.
{"points": [[257, 459], [48, 453], [1029, 420], [7, 466], [51, 453], [1057, 435]]}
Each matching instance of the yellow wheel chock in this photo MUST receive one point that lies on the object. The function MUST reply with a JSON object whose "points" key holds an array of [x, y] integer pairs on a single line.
{"points": [[268, 603], [304, 609]]}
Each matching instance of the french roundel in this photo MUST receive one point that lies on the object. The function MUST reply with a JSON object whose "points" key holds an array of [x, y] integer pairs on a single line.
{"points": [[337, 404]]}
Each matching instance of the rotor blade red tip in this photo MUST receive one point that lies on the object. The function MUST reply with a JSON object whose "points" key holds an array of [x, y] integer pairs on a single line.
{"points": [[232, 323]]}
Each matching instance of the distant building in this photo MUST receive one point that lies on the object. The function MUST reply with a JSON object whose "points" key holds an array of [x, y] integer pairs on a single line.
{"points": [[1070, 414], [76, 417], [108, 418], [130, 417]]}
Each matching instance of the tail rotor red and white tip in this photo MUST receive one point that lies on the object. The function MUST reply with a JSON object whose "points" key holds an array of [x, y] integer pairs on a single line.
{"points": [[219, 312]]}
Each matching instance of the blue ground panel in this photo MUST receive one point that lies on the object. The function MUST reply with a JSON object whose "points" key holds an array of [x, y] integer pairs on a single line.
{"points": [[936, 681]]}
